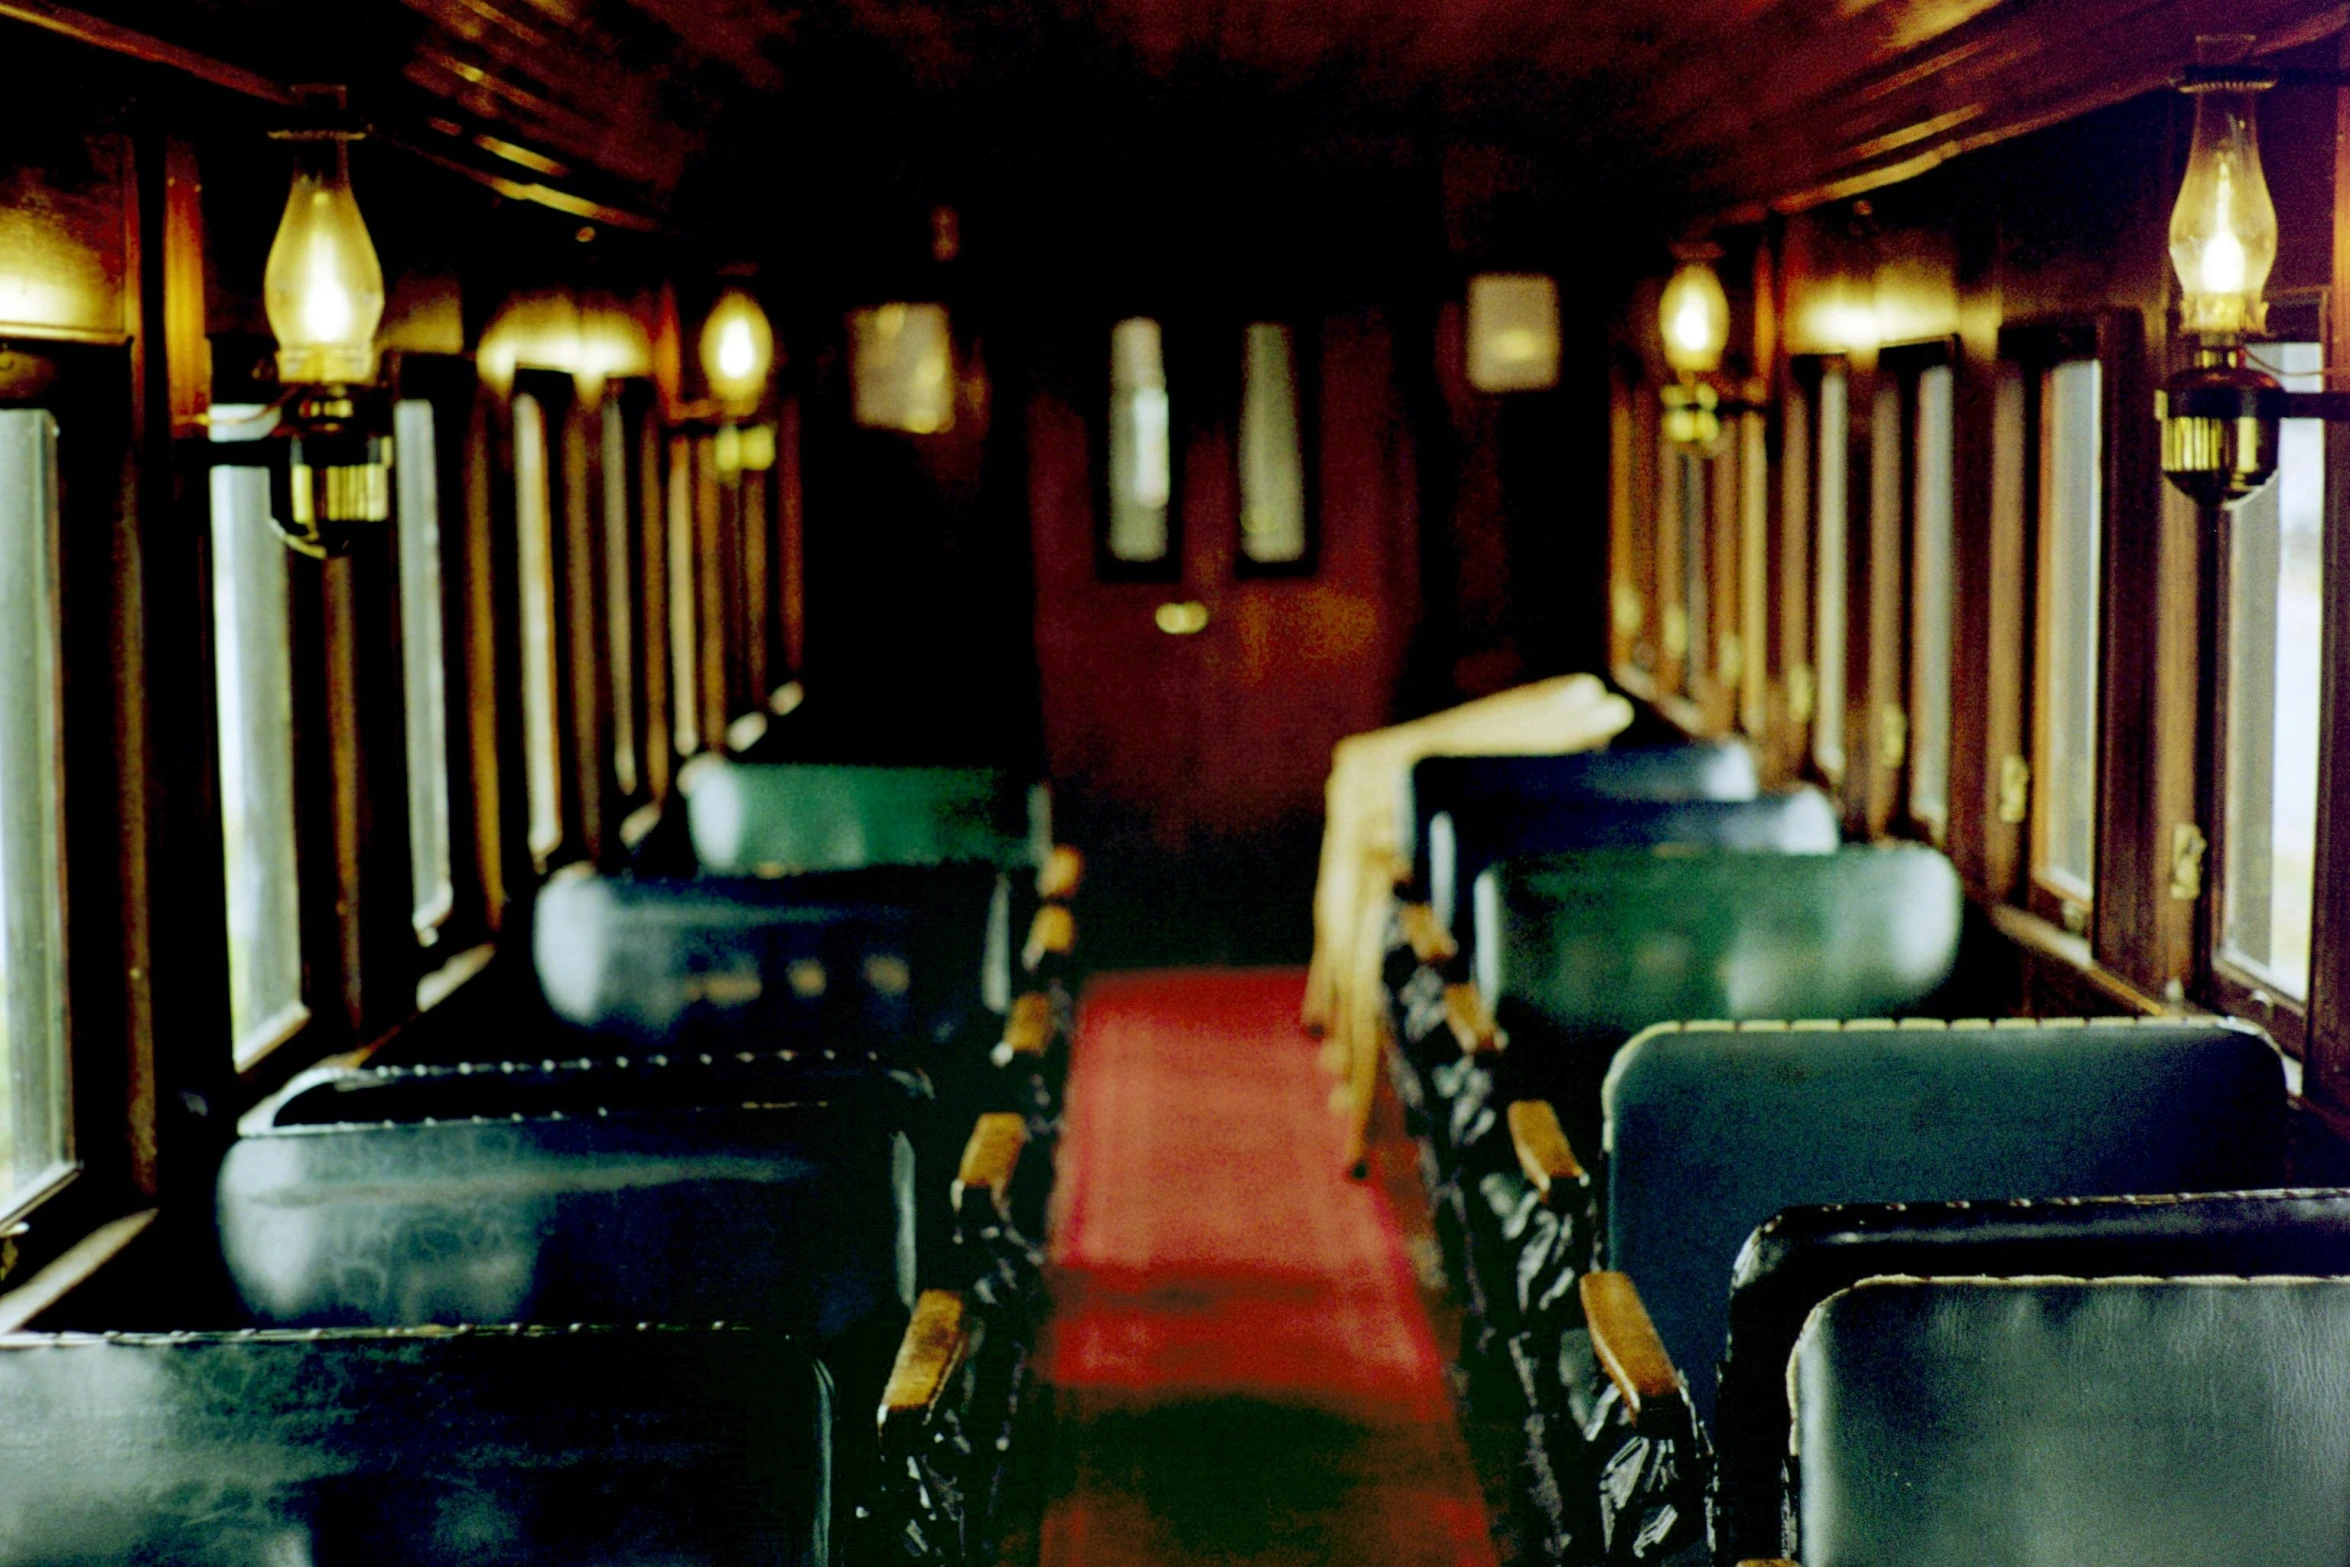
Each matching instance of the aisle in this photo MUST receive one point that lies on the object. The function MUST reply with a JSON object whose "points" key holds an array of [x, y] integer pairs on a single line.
{"points": [[1243, 1370]]}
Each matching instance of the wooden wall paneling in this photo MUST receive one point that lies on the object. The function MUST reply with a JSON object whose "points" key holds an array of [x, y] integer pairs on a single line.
{"points": [[1725, 579], [2009, 572], [366, 718], [758, 590], [1627, 607], [791, 540], [1883, 738], [650, 514], [1974, 755], [1799, 682], [2150, 703], [1648, 640], [2327, 1063], [493, 707], [580, 633], [1671, 571], [711, 593]]}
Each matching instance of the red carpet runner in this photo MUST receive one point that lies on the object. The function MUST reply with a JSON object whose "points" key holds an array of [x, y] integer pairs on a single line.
{"points": [[1242, 1369]]}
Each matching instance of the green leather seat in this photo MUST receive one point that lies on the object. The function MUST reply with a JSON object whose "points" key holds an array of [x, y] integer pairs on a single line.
{"points": [[2003, 1422], [750, 819], [1576, 953], [1711, 1131]]}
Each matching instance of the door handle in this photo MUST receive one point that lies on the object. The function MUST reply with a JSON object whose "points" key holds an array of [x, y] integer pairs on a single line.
{"points": [[1182, 619]]}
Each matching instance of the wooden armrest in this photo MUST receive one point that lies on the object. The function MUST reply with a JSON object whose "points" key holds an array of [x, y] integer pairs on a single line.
{"points": [[1063, 869], [1053, 932], [989, 1160], [1431, 942], [1625, 1340], [1471, 1024], [1543, 1150], [938, 1342], [1028, 1031]]}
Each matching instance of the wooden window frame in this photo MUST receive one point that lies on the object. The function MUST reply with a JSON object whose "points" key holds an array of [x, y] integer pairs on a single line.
{"points": [[1893, 591]]}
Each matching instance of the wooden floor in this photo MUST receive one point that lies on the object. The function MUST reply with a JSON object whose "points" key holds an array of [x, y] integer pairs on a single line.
{"points": [[1240, 1365]]}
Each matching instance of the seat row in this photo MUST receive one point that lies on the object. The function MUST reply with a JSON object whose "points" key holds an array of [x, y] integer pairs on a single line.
{"points": [[710, 1235], [1779, 1253]]}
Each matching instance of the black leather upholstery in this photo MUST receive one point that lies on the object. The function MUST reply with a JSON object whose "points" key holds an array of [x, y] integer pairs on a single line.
{"points": [[1710, 1132], [797, 1217], [1997, 1423], [1802, 1256], [1473, 787], [596, 1448], [1460, 847]]}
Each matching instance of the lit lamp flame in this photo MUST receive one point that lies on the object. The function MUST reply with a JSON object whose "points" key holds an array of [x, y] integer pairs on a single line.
{"points": [[323, 288], [738, 350], [1695, 316]]}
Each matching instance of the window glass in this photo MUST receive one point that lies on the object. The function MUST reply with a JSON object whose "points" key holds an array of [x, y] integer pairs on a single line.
{"points": [[1932, 563], [619, 598], [2071, 505], [535, 552], [2275, 612], [1141, 475], [1829, 553], [1272, 466], [35, 1119], [422, 664], [254, 695], [685, 682]]}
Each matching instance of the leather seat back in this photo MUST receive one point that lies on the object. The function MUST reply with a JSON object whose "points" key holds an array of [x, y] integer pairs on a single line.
{"points": [[1469, 787], [543, 1448], [732, 963], [1972, 1421], [1604, 944], [1710, 1131], [798, 1217], [1801, 821], [1801, 1256], [750, 819]]}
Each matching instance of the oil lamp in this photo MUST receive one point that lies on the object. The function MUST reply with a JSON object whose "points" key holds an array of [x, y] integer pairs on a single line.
{"points": [[738, 351], [323, 291], [2219, 417], [1693, 316]]}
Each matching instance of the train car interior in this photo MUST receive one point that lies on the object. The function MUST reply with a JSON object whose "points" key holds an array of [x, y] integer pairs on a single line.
{"points": [[1467, 783]]}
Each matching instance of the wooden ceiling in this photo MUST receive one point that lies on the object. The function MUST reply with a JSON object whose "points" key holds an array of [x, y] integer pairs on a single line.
{"points": [[1720, 107]]}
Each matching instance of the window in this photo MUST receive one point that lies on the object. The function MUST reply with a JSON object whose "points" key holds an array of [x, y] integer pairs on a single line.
{"points": [[535, 558], [423, 667], [1141, 470], [36, 1137], [2064, 832], [254, 698], [1830, 553], [1933, 560], [619, 595], [2275, 613], [1272, 464], [1696, 626]]}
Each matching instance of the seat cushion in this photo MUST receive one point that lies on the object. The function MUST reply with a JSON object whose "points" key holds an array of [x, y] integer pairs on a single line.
{"points": [[1801, 1256], [1460, 847], [1709, 1132], [1471, 786], [544, 1448], [2095, 1424], [779, 818]]}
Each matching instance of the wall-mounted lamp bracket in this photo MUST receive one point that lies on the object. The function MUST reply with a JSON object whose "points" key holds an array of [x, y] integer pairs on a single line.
{"points": [[1696, 410], [329, 459]]}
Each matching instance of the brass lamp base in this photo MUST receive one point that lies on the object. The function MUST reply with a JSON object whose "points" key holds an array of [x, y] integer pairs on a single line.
{"points": [[338, 470], [2219, 428]]}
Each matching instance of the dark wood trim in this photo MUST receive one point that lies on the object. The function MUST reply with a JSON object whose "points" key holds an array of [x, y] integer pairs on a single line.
{"points": [[711, 594], [585, 695], [2328, 1058], [650, 444]]}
